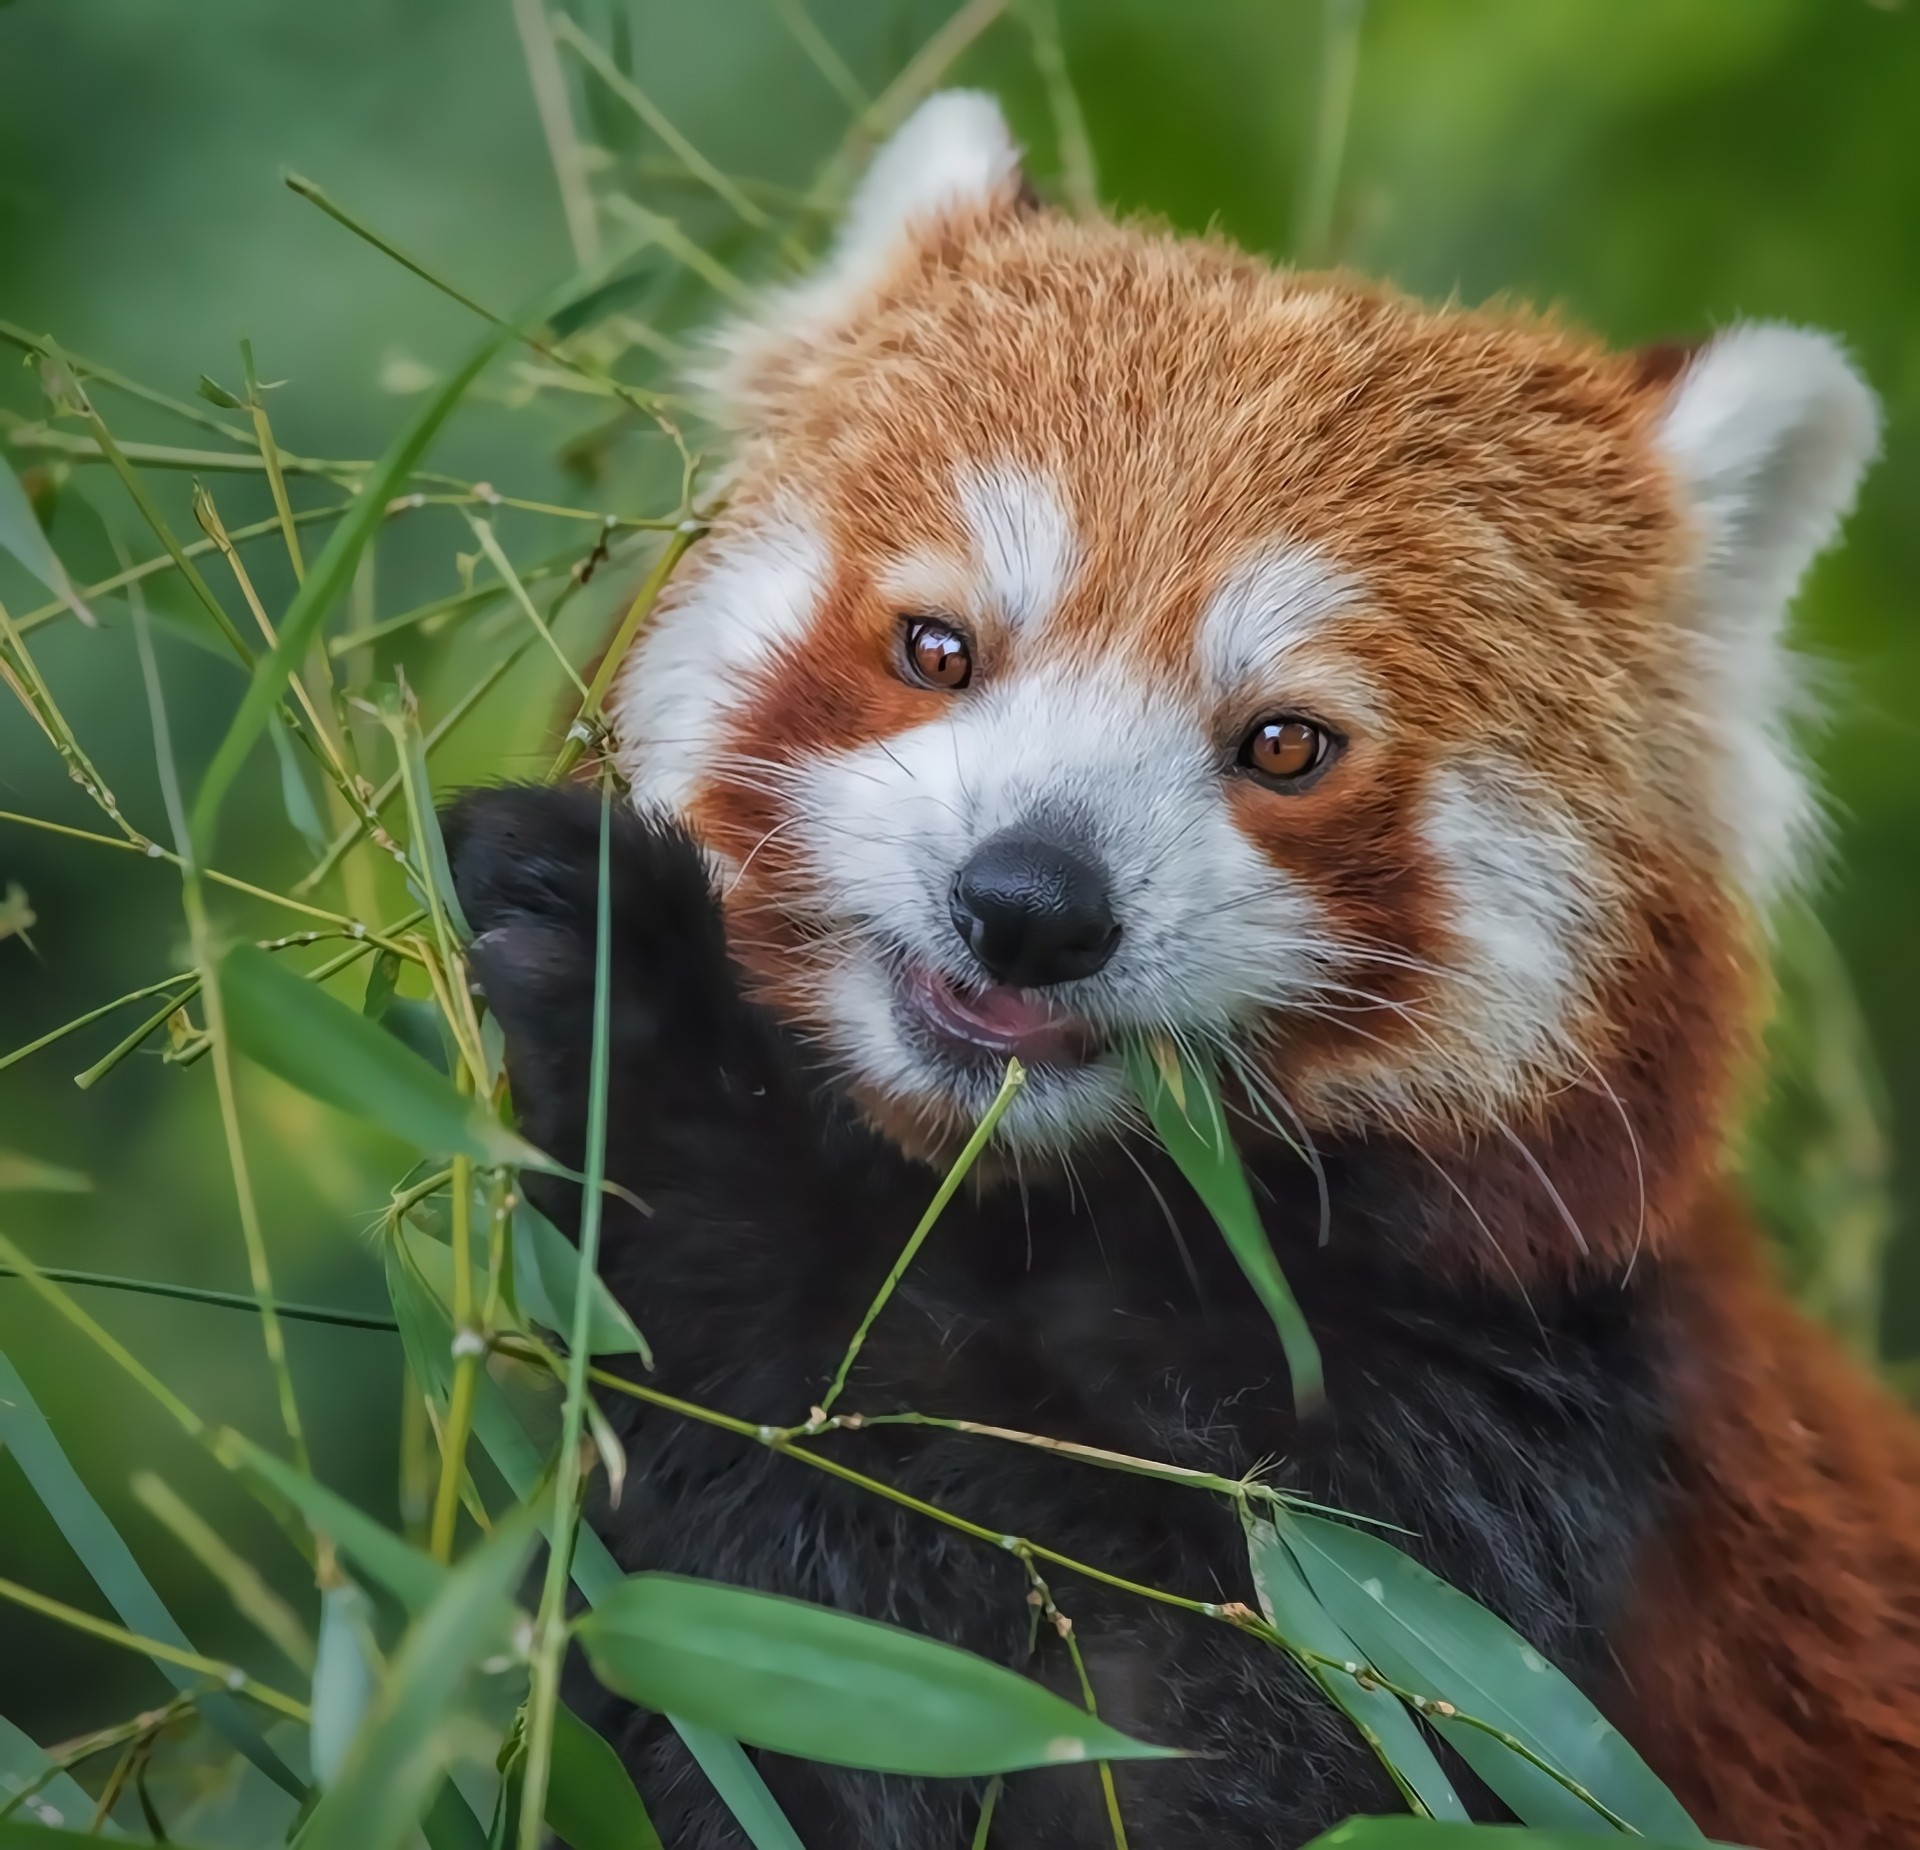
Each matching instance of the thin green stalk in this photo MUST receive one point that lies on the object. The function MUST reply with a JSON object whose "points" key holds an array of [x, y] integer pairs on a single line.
{"points": [[206, 961], [153, 851], [23, 1268], [137, 493], [469, 1346], [200, 1294], [549, 1646], [497, 558], [667, 234], [244, 1584], [41, 439], [556, 124], [149, 568], [1079, 179], [184, 982], [579, 734], [828, 62], [1009, 1086], [270, 456], [918, 79], [226, 1676], [595, 58], [92, 369], [70, 1754], [22, 673], [342, 843], [649, 403], [1339, 69]]}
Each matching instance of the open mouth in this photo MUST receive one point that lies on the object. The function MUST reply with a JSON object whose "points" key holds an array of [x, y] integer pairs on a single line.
{"points": [[996, 1018]]}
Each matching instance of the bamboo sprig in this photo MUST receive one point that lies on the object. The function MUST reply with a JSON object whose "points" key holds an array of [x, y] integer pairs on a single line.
{"points": [[550, 1634], [270, 456], [1016, 1076], [580, 734], [219, 1675], [206, 962]]}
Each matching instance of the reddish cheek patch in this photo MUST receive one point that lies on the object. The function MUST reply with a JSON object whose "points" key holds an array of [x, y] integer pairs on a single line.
{"points": [[833, 689], [1356, 852]]}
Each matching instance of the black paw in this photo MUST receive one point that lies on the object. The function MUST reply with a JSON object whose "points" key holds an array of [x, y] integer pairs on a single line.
{"points": [[526, 867]]}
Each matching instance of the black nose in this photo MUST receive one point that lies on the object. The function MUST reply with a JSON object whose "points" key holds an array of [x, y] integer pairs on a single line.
{"points": [[1034, 911]]}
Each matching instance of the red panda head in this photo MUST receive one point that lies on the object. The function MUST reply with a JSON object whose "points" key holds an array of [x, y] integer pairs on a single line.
{"points": [[1107, 633]]}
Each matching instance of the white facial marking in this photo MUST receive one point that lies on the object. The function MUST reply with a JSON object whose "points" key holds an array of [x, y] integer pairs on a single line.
{"points": [[1265, 611], [1210, 930], [1024, 550], [1768, 432], [1527, 901], [755, 593]]}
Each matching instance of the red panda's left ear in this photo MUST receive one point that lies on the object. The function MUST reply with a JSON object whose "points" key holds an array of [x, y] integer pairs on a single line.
{"points": [[1767, 431], [953, 157]]}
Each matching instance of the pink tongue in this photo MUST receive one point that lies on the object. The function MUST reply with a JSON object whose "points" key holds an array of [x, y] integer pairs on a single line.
{"points": [[1007, 1011], [1001, 1018]]}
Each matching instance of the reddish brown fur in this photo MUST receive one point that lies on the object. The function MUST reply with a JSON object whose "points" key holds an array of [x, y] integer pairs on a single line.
{"points": [[1519, 543]]}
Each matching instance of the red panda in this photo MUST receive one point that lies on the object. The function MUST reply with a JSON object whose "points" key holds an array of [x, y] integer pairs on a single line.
{"points": [[1105, 633]]}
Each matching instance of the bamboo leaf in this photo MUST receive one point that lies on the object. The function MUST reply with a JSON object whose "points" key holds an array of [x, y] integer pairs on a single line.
{"points": [[1290, 1603], [1424, 1834], [1184, 1105], [823, 1685], [410, 1576], [18, 1834], [411, 1732], [93, 1538], [29, 1175], [591, 1801], [1431, 1638], [24, 540], [332, 1052], [345, 1677], [325, 584], [546, 1272]]}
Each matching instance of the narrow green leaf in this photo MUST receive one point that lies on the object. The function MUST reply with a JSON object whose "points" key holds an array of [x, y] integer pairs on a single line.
{"points": [[411, 1732], [546, 1273], [591, 1802], [93, 1538], [295, 797], [58, 1798], [1432, 1639], [19, 1834], [1185, 1107], [1424, 1834], [29, 1175], [1383, 1721], [382, 980], [326, 583], [823, 1685], [345, 1676], [296, 1030], [23, 539], [411, 1577]]}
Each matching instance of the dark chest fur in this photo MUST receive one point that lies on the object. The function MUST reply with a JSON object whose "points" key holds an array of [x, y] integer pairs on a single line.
{"points": [[1518, 1443]]}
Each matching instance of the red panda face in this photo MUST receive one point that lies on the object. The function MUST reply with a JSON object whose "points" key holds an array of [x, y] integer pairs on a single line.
{"points": [[1109, 635]]}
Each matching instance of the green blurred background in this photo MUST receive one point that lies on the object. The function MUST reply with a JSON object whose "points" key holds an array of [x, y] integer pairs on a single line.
{"points": [[1656, 167]]}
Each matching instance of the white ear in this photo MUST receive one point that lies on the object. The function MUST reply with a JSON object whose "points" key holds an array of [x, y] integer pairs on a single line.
{"points": [[953, 154], [1768, 431]]}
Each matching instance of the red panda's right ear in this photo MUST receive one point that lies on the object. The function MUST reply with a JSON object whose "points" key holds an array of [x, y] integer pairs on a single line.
{"points": [[954, 155]]}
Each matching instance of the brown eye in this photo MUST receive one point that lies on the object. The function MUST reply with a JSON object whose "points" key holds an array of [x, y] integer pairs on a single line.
{"points": [[1285, 749], [937, 654]]}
